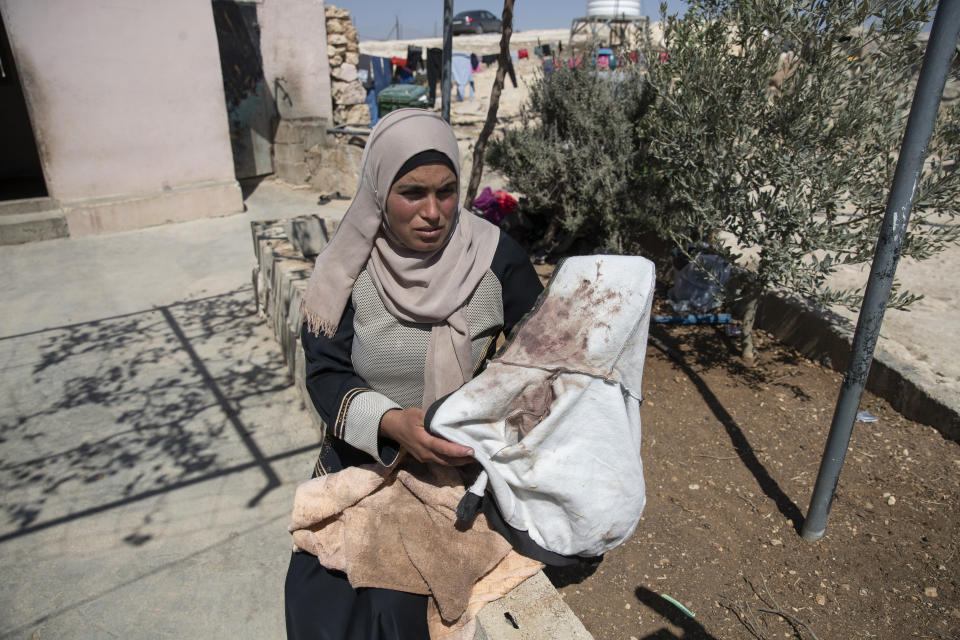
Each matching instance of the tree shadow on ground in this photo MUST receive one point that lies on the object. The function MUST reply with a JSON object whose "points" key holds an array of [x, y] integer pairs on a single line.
{"points": [[687, 361], [131, 407], [709, 347]]}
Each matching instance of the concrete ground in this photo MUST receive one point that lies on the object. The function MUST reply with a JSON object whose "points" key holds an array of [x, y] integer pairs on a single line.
{"points": [[151, 439]]}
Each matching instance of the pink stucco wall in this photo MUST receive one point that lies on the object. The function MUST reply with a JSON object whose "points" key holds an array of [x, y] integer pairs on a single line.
{"points": [[294, 45], [126, 98]]}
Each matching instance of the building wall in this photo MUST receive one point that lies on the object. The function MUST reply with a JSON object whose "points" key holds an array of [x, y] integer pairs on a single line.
{"points": [[293, 42], [127, 104]]}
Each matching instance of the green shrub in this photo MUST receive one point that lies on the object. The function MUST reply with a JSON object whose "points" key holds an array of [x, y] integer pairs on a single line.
{"points": [[575, 158], [775, 133]]}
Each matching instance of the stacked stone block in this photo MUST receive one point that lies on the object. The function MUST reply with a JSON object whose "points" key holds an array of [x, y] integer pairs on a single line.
{"points": [[280, 278]]}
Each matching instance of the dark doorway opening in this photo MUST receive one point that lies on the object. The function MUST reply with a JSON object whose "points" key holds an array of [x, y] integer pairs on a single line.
{"points": [[21, 175]]}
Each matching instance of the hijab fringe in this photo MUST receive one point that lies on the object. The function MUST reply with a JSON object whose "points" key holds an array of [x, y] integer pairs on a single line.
{"points": [[316, 324]]}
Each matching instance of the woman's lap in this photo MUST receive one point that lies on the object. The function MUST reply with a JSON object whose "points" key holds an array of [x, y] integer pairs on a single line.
{"points": [[321, 604]]}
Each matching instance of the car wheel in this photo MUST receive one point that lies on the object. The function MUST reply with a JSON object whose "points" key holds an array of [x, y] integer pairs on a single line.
{"points": [[478, 29]]}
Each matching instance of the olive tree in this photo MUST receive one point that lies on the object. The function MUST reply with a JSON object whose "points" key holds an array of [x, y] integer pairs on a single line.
{"points": [[575, 160], [774, 136]]}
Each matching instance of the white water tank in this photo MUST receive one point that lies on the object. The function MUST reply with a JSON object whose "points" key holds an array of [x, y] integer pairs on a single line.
{"points": [[626, 8]]}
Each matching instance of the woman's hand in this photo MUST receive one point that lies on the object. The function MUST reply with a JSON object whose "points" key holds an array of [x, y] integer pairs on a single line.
{"points": [[406, 427]]}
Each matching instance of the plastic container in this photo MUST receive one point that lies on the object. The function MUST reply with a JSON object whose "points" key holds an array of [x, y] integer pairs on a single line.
{"points": [[398, 96]]}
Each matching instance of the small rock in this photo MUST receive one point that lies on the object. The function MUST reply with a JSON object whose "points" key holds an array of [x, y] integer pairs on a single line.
{"points": [[891, 501], [693, 487], [886, 495], [776, 542], [864, 591], [821, 599], [626, 606], [930, 592]]}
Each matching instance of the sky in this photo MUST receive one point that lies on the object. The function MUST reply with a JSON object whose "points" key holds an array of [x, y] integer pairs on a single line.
{"points": [[376, 19]]}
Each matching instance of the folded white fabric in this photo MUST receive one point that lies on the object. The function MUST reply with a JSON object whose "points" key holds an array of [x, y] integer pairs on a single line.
{"points": [[554, 420]]}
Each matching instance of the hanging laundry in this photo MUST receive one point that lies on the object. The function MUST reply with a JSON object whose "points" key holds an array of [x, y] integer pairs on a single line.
{"points": [[461, 73], [414, 58], [434, 69], [382, 72]]}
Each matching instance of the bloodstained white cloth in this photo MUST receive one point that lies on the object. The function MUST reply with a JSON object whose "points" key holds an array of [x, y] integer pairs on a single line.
{"points": [[555, 419]]}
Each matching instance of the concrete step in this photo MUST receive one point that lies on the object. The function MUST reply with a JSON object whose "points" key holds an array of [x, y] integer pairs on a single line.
{"points": [[20, 228], [27, 205]]}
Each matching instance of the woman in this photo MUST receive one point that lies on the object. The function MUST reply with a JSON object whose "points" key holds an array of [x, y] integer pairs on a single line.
{"points": [[404, 306]]}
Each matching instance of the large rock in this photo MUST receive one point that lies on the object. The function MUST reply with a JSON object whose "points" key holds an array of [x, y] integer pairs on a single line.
{"points": [[337, 40], [347, 93], [337, 60], [335, 168], [344, 73], [335, 26], [331, 11], [351, 114], [351, 57]]}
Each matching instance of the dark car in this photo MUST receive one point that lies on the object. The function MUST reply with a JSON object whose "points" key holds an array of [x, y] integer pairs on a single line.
{"points": [[476, 22]]}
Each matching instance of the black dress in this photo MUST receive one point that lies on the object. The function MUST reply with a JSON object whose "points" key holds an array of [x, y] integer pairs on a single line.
{"points": [[320, 603]]}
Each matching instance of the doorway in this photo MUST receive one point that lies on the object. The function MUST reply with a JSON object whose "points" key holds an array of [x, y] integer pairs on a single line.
{"points": [[21, 175]]}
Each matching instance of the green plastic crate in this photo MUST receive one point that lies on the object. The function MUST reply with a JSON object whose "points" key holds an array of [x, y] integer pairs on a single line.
{"points": [[397, 96]]}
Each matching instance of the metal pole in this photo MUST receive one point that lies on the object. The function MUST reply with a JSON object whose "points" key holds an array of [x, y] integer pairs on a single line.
{"points": [[447, 55], [913, 151]]}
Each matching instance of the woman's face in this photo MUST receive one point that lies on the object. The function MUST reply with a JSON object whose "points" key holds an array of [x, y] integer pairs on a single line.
{"points": [[421, 206]]}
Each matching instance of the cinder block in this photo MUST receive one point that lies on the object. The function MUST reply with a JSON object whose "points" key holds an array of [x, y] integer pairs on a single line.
{"points": [[538, 610], [297, 173], [20, 228], [288, 154], [307, 234], [287, 133]]}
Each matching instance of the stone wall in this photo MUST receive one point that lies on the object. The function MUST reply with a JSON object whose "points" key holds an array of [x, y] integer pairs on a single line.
{"points": [[343, 52]]}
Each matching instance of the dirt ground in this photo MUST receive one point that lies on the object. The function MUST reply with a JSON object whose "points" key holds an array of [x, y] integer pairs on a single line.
{"points": [[731, 455]]}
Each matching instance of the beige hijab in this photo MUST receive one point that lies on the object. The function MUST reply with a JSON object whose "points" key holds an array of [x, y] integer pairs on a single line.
{"points": [[428, 288]]}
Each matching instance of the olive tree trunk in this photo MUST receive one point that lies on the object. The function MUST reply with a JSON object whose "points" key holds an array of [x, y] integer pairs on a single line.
{"points": [[480, 148]]}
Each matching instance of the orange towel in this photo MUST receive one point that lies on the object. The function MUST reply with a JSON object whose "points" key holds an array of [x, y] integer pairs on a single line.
{"points": [[397, 531]]}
